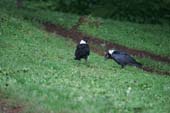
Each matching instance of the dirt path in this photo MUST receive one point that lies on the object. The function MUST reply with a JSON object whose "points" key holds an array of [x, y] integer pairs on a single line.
{"points": [[99, 45], [76, 36], [6, 108]]}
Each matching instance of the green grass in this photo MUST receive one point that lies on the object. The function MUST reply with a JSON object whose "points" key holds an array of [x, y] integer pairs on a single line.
{"points": [[152, 38], [149, 37], [47, 79], [32, 13], [41, 74]]}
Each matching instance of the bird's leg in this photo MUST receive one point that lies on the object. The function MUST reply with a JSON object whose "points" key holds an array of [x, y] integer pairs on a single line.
{"points": [[85, 59], [86, 62], [122, 66], [78, 62]]}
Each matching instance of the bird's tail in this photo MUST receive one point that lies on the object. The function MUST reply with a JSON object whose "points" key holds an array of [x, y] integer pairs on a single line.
{"points": [[75, 58]]}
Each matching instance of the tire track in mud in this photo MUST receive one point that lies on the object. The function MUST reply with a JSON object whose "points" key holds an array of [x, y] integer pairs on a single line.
{"points": [[98, 45]]}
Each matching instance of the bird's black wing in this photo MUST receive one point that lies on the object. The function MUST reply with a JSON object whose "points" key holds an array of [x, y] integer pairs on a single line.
{"points": [[120, 52], [78, 48], [82, 49], [87, 49], [125, 56], [132, 61], [119, 58]]}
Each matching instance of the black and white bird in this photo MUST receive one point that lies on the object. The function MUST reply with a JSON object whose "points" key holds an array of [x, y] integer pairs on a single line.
{"points": [[122, 58], [82, 50]]}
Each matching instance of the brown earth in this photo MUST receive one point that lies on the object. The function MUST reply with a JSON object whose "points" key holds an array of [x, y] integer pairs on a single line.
{"points": [[6, 108], [99, 45]]}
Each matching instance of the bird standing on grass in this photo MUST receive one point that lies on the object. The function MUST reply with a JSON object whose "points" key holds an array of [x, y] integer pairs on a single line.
{"points": [[121, 58], [82, 50]]}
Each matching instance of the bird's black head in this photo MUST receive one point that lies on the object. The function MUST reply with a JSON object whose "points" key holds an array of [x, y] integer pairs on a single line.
{"points": [[86, 39], [108, 54]]}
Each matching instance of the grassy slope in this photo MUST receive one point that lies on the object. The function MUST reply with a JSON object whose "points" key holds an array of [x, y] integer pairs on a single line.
{"points": [[149, 37], [41, 72], [105, 31], [153, 38], [32, 13]]}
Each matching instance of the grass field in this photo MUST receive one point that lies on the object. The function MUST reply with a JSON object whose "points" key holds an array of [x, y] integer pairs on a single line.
{"points": [[147, 37], [42, 76]]}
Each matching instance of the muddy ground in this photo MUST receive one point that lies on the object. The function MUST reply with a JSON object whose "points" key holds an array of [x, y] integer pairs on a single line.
{"points": [[99, 46], [5, 107]]}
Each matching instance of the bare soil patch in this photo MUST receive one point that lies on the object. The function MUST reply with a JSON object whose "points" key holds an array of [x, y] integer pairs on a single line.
{"points": [[7, 107], [99, 45]]}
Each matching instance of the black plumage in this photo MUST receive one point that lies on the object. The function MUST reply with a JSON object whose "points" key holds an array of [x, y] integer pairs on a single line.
{"points": [[122, 58], [82, 50]]}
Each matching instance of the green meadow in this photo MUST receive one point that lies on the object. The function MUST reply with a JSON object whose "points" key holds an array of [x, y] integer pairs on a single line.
{"points": [[38, 72]]}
